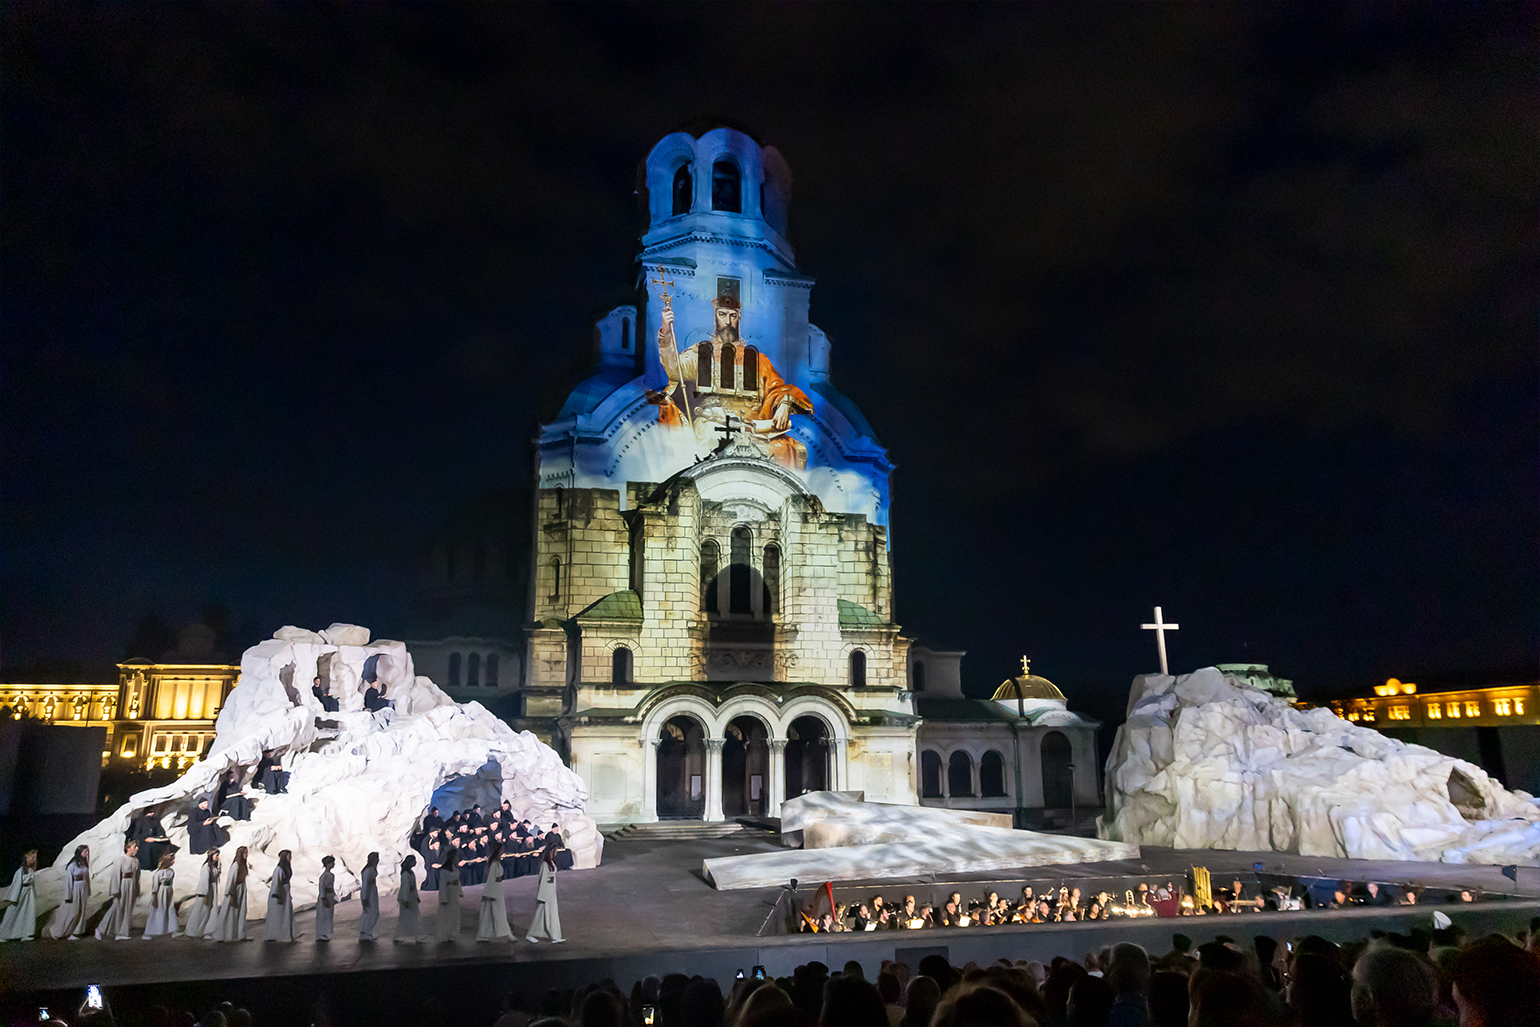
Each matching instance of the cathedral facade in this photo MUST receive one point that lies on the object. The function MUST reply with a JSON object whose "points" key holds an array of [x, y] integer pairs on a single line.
{"points": [[711, 589], [710, 595]]}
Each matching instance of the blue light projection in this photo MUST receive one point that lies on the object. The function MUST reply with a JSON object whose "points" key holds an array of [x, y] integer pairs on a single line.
{"points": [[721, 351]]}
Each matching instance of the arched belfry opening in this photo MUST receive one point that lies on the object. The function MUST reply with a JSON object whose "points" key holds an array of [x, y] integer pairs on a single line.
{"points": [[681, 769], [684, 189], [726, 187], [807, 756], [746, 768]]}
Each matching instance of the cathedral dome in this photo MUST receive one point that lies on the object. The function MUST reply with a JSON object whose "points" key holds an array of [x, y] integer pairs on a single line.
{"points": [[1028, 686]]}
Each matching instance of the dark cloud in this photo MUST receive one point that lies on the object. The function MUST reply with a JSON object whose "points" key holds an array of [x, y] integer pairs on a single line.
{"points": [[1229, 304]]}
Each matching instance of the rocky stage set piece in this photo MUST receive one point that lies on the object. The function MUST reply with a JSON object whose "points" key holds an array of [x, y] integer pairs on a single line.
{"points": [[1206, 761], [357, 780]]}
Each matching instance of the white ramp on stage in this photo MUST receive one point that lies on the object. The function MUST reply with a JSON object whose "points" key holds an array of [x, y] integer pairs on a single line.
{"points": [[849, 840]]}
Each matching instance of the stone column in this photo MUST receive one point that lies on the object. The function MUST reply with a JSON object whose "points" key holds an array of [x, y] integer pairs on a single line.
{"points": [[714, 779], [650, 781], [777, 774], [839, 773]]}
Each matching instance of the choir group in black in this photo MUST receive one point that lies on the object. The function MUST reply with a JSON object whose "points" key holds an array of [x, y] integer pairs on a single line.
{"points": [[470, 839]]}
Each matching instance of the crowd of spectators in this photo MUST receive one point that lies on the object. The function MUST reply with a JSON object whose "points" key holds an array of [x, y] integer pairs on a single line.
{"points": [[1430, 978]]}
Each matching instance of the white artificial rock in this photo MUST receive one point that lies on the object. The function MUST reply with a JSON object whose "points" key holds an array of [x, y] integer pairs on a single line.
{"points": [[1207, 761], [358, 780], [933, 841], [346, 634]]}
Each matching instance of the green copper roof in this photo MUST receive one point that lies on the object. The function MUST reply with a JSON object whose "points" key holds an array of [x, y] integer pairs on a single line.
{"points": [[853, 615], [625, 605]]}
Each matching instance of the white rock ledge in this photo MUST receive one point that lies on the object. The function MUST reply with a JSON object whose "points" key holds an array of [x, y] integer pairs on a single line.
{"points": [[1207, 762]]}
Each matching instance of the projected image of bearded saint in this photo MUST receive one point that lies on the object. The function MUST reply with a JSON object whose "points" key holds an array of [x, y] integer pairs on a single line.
{"points": [[763, 412]]}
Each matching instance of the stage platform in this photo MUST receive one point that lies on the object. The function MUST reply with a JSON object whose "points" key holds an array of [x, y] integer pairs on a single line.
{"points": [[647, 910]]}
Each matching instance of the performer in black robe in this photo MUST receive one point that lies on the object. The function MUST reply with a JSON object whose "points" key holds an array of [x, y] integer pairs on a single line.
{"points": [[432, 859], [473, 818], [329, 703], [146, 829], [203, 830], [563, 854], [432, 822], [270, 774], [374, 698], [228, 798]]}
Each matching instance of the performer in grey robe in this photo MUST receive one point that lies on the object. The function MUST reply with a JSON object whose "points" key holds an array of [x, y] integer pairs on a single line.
{"points": [[124, 892], [369, 896], [70, 922], [280, 904], [409, 923], [547, 922], [201, 920], [20, 902], [447, 926], [493, 922], [326, 900], [230, 921]]}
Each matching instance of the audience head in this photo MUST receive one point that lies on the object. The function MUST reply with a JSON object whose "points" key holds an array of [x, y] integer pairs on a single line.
{"points": [[702, 1004], [1227, 998], [937, 968], [1496, 984], [889, 988], [1061, 978], [1168, 999], [769, 1006], [853, 968], [978, 1005], [1128, 969], [1392, 986], [850, 1001], [1318, 990], [600, 1009], [1090, 1002], [921, 999]]}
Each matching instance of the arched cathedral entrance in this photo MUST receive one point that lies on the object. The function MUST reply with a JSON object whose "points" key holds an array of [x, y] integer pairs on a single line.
{"points": [[1058, 777], [807, 756], [682, 769], [746, 768]]}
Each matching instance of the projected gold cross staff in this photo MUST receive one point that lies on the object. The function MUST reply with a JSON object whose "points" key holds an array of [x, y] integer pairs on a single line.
{"points": [[1160, 628], [669, 355]]}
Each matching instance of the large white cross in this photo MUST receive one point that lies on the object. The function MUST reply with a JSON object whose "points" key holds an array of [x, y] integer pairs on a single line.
{"points": [[1160, 628]]}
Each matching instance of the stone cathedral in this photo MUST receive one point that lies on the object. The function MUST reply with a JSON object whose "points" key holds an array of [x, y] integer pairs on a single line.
{"points": [[712, 628]]}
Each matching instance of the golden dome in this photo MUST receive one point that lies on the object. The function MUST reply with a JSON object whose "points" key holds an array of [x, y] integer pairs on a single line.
{"points": [[1030, 686]]}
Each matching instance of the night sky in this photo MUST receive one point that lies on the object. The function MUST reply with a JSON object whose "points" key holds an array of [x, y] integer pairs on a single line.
{"points": [[1226, 308]]}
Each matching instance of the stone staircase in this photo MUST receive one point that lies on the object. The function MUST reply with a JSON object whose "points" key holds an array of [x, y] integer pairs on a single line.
{"points": [[677, 830]]}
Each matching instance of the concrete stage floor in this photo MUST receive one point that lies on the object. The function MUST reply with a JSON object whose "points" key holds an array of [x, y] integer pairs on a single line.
{"points": [[648, 910]]}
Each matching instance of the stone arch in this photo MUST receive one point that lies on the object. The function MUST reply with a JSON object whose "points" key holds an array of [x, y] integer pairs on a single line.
{"points": [[681, 757], [992, 777], [932, 777], [959, 774], [1057, 756]]}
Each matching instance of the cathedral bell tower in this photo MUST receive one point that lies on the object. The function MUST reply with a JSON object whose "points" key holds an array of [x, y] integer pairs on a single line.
{"points": [[713, 620]]}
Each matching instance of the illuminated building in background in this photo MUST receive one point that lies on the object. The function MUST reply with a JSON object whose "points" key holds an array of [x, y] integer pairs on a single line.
{"points": [[156, 715], [1496, 726]]}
